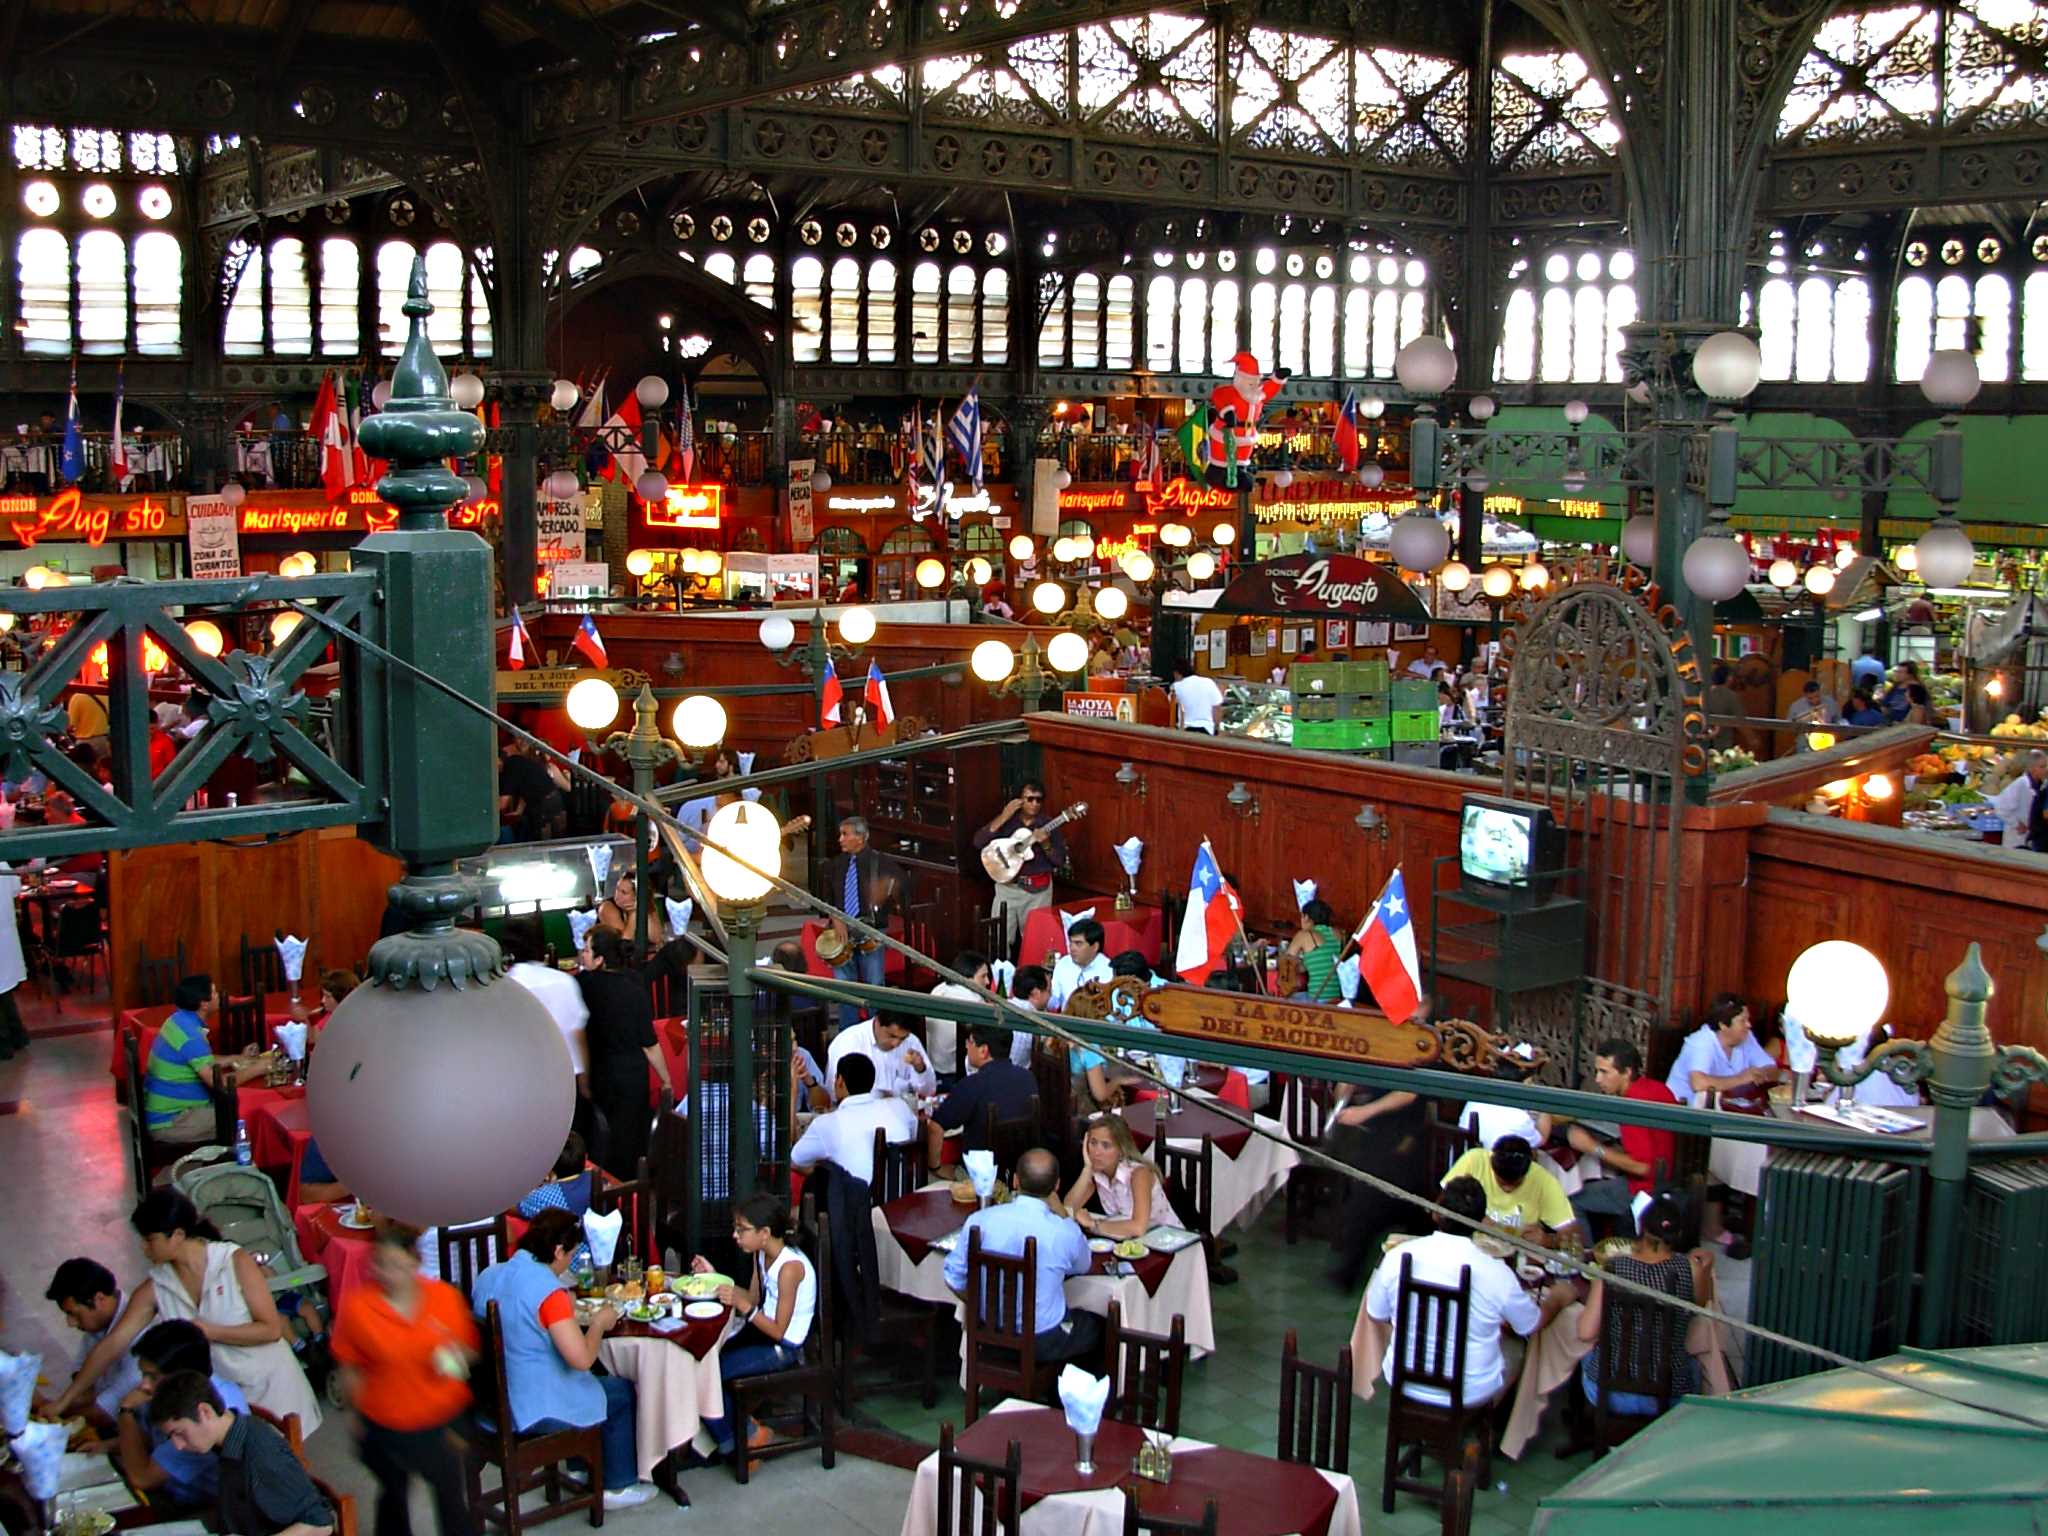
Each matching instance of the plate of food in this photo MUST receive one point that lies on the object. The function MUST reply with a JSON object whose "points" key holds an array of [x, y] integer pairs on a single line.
{"points": [[698, 1287], [641, 1312], [356, 1216], [1492, 1245], [1608, 1249], [703, 1310], [1131, 1248], [1101, 1245]]}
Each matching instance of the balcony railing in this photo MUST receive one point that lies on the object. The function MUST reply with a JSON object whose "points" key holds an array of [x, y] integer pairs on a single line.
{"points": [[156, 461]]}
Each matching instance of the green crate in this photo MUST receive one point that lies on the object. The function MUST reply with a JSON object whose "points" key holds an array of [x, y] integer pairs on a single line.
{"points": [[1415, 725], [1378, 734], [1315, 677], [1317, 735], [1365, 676], [1317, 707], [1362, 706], [1414, 693]]}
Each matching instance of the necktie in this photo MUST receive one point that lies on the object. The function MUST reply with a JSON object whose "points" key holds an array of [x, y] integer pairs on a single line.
{"points": [[849, 901]]}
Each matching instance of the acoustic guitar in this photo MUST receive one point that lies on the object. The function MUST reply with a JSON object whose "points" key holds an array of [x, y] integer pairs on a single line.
{"points": [[1005, 858]]}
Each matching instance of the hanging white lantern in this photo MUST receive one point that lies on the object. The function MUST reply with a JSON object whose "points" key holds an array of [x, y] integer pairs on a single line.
{"points": [[1282, 479], [1716, 567], [1820, 581], [1944, 554], [651, 392], [466, 390], [1455, 576], [1783, 573], [821, 482], [1951, 379], [1576, 412], [1419, 542], [1639, 539], [564, 395], [380, 393], [1371, 475], [234, 493], [1482, 408], [652, 486], [563, 484]]}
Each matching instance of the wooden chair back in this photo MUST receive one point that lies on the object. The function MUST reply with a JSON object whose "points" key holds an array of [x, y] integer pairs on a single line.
{"points": [[1138, 1523], [1010, 1139], [1304, 1107], [815, 1381], [146, 1156], [1641, 1346], [978, 1498], [1315, 1409], [1445, 1140], [899, 1168], [1002, 1305], [996, 938], [238, 1026], [288, 1426], [157, 976], [1058, 1131], [668, 1165], [525, 1462], [1429, 1334], [1190, 1180], [1145, 1371], [262, 968], [468, 1248], [633, 1197]]}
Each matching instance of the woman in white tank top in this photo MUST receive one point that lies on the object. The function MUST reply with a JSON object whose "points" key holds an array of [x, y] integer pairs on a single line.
{"points": [[776, 1307]]}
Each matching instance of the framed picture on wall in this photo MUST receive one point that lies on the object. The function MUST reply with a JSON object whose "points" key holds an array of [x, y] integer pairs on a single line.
{"points": [[1333, 633], [1258, 640], [1219, 649], [1290, 640], [1369, 632], [1410, 632], [1272, 637]]}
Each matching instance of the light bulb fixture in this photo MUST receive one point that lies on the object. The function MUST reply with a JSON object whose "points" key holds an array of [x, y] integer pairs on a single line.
{"points": [[1878, 787], [992, 661], [1243, 801], [777, 633], [857, 626], [1282, 479], [639, 561], [1062, 478], [1907, 559], [1372, 407], [1139, 566], [1371, 475], [1727, 367], [564, 395], [1837, 991], [1639, 539], [1067, 651], [821, 481], [1819, 741], [466, 390], [563, 484], [1845, 557], [979, 572], [699, 722], [1784, 573], [1111, 603], [1224, 534], [1176, 535], [1201, 565], [1944, 555], [651, 392], [1573, 479], [1456, 576], [687, 562], [283, 624], [709, 562], [1820, 580], [1716, 566], [1576, 412], [1371, 821], [1994, 687], [234, 493], [1497, 582], [592, 703], [739, 839], [1419, 541], [1951, 379], [1048, 597], [1021, 548], [1426, 367], [1478, 482], [1535, 576], [1482, 407], [205, 636], [931, 573], [652, 487]]}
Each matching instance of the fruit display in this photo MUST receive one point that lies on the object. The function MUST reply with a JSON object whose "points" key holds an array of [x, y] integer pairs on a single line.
{"points": [[1729, 760], [2013, 726]]}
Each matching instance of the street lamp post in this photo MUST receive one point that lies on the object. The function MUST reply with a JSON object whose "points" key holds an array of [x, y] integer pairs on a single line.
{"points": [[644, 749], [742, 850], [1957, 1065]]}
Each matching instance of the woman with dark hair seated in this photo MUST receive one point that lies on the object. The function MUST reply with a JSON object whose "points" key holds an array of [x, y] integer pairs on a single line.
{"points": [[1316, 944], [1653, 1261], [548, 1359], [777, 1305]]}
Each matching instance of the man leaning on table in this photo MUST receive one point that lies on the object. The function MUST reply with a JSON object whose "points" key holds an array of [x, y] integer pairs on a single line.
{"points": [[1519, 1195], [1498, 1300], [845, 1135], [1062, 1251], [177, 1100], [1632, 1167], [1721, 1056]]}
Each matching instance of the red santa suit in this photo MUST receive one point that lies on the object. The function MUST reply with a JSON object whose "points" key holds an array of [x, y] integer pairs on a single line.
{"points": [[1234, 410]]}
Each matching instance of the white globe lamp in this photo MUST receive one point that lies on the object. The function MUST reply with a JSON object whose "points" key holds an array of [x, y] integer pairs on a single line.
{"points": [[1639, 539], [651, 392], [1456, 576], [1419, 542], [1716, 567], [1201, 565], [740, 835], [593, 703], [1837, 991], [992, 661], [1426, 366], [1783, 573], [699, 722], [1944, 555], [564, 395], [1820, 580], [1112, 603], [466, 390], [1048, 597], [857, 626], [1951, 379], [1727, 366], [777, 633], [1066, 652]]}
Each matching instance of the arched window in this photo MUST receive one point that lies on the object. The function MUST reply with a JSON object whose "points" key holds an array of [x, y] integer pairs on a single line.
{"points": [[845, 310], [1052, 332], [1913, 315], [1386, 330], [1223, 303], [724, 266], [446, 275], [1087, 319], [1194, 325], [1518, 337], [1119, 322], [1777, 314], [291, 299], [1159, 324], [960, 314], [1993, 300], [159, 266], [1814, 356], [341, 297], [1852, 331], [243, 334], [1294, 327], [1322, 331], [806, 313], [838, 541], [102, 292], [583, 260], [1265, 311], [479, 310], [1621, 313], [1589, 334], [2034, 338], [1557, 335], [757, 279], [995, 315], [1357, 332], [394, 272], [881, 310], [1951, 312], [43, 260], [924, 312]]}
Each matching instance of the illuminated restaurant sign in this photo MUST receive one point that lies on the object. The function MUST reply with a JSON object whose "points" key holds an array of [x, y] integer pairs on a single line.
{"points": [[687, 506], [68, 518], [860, 503], [359, 509], [1175, 498]]}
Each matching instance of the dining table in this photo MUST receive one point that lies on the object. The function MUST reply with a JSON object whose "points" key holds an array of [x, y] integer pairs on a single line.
{"points": [[1254, 1495], [914, 1235], [673, 1366], [1740, 1164], [143, 1024], [1249, 1168], [280, 1127], [1139, 928], [344, 1250]]}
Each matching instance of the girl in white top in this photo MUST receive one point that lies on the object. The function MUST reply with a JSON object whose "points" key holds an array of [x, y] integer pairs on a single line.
{"points": [[1124, 1185], [777, 1305], [194, 1276]]}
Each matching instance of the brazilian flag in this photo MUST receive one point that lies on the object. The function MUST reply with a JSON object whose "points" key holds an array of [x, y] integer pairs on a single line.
{"points": [[1194, 440]]}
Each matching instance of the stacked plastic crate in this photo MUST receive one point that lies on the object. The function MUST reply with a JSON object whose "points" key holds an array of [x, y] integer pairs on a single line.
{"points": [[1343, 706], [1415, 724]]}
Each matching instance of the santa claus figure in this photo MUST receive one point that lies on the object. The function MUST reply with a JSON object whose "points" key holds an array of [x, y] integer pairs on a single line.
{"points": [[1234, 409]]}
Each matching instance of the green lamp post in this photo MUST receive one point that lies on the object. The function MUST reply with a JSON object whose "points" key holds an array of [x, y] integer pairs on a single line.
{"points": [[645, 749], [742, 850]]}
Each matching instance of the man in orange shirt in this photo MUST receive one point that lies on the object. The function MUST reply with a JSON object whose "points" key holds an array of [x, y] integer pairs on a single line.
{"points": [[404, 1344]]}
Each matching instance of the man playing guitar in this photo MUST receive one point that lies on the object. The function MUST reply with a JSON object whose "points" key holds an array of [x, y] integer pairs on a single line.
{"points": [[1033, 886], [863, 883]]}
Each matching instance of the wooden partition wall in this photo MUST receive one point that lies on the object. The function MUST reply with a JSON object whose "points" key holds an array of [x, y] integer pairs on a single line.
{"points": [[326, 886], [1757, 884]]}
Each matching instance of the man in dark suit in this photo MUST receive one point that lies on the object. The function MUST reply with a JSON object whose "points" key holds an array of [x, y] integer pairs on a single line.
{"points": [[865, 884]]}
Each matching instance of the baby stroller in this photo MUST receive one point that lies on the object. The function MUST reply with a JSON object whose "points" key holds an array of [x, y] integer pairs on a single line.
{"points": [[244, 1204]]}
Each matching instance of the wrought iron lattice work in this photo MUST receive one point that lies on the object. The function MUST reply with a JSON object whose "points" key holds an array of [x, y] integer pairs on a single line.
{"points": [[711, 1197], [1605, 719]]}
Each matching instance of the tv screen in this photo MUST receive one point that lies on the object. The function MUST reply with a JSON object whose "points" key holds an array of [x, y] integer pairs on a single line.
{"points": [[1499, 843]]}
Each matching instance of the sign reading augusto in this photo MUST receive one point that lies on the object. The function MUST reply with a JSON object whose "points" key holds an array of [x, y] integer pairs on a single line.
{"points": [[1248, 1019]]}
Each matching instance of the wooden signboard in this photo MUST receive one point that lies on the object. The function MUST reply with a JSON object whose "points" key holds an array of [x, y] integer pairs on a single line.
{"points": [[1244, 1018]]}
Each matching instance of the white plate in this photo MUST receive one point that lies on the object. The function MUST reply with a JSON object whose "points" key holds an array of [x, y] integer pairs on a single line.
{"points": [[1101, 1245], [704, 1309], [354, 1222]]}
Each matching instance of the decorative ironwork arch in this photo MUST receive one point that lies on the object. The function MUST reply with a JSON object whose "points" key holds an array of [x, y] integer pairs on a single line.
{"points": [[1606, 725]]}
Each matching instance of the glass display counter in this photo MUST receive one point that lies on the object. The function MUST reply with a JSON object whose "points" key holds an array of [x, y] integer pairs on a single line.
{"points": [[1257, 711]]}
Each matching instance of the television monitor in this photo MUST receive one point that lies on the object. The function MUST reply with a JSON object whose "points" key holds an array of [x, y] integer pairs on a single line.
{"points": [[1508, 850]]}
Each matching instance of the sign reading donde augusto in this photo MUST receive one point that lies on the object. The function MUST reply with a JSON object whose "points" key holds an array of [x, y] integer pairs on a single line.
{"points": [[1332, 586]]}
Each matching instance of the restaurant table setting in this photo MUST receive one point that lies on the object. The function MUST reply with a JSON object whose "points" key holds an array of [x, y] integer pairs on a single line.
{"points": [[1250, 1169], [340, 1237], [143, 1024], [914, 1235], [1045, 929], [1740, 1164], [1254, 1495]]}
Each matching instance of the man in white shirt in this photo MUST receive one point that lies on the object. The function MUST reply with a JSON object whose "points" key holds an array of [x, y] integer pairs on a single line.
{"points": [[944, 1034], [1490, 1122], [1498, 1299], [90, 1299], [1877, 1089], [1083, 962], [1196, 698], [563, 999], [845, 1136], [901, 1066], [1426, 664], [1031, 990], [2015, 802], [1721, 1056]]}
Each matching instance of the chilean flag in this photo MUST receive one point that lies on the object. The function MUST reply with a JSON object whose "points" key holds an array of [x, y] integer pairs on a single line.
{"points": [[1386, 953], [516, 653], [877, 696], [589, 642], [830, 697], [1347, 432], [1214, 917]]}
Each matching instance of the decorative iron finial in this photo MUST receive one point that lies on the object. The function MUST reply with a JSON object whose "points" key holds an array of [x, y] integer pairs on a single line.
{"points": [[434, 950], [420, 425], [1970, 982]]}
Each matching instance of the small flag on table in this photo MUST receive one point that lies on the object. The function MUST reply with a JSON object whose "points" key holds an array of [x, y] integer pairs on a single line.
{"points": [[516, 653], [1386, 953], [830, 697], [589, 642], [877, 695]]}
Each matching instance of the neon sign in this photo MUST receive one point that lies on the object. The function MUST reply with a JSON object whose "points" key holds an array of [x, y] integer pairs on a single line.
{"points": [[860, 503], [687, 506], [1091, 501], [1187, 496], [67, 517]]}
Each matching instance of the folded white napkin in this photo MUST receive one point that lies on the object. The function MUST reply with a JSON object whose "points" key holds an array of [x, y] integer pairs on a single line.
{"points": [[1802, 1055], [981, 1171], [1347, 978], [17, 1389], [1304, 893], [40, 1450], [1084, 1397], [600, 865], [291, 952], [1068, 919], [292, 1037], [580, 924], [1002, 976], [678, 914], [746, 762], [602, 1233], [1128, 853]]}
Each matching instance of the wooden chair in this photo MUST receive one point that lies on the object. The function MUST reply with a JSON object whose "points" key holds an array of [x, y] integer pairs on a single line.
{"points": [[1010, 1139], [157, 976], [1444, 1140], [1315, 1409], [1640, 1354], [996, 938], [1145, 1371], [80, 936], [1190, 1181], [814, 1382], [1429, 1352], [238, 1026], [1461, 1481], [1002, 1303], [468, 1248], [262, 968], [286, 1425], [146, 1155], [899, 1168], [635, 1198], [524, 1462], [978, 1498], [668, 1164], [1058, 1131], [1138, 1523], [1304, 1110]]}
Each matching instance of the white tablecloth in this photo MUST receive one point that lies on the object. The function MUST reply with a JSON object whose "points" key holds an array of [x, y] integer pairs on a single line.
{"points": [[1740, 1164], [27, 461], [1098, 1513], [1245, 1183], [674, 1392]]}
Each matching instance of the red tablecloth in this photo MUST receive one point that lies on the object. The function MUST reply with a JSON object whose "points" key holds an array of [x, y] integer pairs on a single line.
{"points": [[1139, 929], [143, 1023], [269, 1144], [892, 961], [344, 1250], [1192, 1123], [278, 1133], [1254, 1495], [918, 1220]]}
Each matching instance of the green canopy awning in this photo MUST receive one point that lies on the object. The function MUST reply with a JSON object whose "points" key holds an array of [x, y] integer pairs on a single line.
{"points": [[1837, 1446]]}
